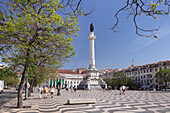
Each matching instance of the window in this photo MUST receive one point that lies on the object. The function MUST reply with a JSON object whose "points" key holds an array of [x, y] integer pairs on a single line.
{"points": [[164, 67], [147, 81], [156, 69], [160, 64], [144, 81], [141, 81], [156, 81], [139, 77], [138, 72], [144, 71], [150, 81], [144, 76], [147, 71], [150, 70]]}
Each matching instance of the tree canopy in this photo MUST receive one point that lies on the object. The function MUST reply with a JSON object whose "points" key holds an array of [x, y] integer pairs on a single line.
{"points": [[37, 32], [119, 79], [163, 76], [11, 78]]}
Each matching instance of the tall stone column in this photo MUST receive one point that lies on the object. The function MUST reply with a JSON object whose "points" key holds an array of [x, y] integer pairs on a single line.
{"points": [[92, 81], [92, 51]]}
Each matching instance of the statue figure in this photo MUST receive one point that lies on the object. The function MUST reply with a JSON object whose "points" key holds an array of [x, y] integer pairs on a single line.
{"points": [[91, 27]]}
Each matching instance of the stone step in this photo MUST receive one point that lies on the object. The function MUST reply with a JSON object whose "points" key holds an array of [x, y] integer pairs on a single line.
{"points": [[81, 101]]}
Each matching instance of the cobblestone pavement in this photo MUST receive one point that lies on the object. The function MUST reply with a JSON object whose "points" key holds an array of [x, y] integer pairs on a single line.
{"points": [[107, 102], [7, 95]]}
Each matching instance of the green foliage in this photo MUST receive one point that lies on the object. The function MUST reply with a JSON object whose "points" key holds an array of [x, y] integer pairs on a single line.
{"points": [[156, 37], [163, 76], [9, 77], [37, 36], [108, 81], [36, 33], [119, 79]]}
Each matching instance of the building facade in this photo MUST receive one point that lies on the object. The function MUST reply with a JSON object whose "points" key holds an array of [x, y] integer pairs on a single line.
{"points": [[66, 78], [144, 75]]}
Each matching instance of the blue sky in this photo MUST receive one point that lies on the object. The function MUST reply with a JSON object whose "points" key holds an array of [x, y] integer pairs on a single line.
{"points": [[116, 50]]}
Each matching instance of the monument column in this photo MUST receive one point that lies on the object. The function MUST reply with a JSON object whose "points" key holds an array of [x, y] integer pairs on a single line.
{"points": [[92, 56], [92, 80]]}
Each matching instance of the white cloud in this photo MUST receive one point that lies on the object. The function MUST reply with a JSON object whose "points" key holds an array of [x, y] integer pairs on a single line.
{"points": [[143, 42]]}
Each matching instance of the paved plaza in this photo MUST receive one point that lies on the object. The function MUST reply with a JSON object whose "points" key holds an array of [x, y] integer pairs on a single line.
{"points": [[107, 102]]}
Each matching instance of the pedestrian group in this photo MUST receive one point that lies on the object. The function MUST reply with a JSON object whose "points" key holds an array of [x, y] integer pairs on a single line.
{"points": [[44, 91]]}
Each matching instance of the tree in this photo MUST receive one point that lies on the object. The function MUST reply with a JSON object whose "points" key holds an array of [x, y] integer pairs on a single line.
{"points": [[163, 76], [150, 8], [119, 79], [37, 32], [10, 77], [108, 81], [38, 76]]}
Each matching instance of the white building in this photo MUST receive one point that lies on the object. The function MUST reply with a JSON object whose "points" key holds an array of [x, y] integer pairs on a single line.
{"points": [[66, 78], [145, 74]]}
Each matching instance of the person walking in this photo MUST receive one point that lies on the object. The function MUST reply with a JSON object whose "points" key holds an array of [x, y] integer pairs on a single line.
{"points": [[120, 90], [123, 88], [74, 88], [45, 91], [52, 91], [40, 91], [71, 88], [115, 89]]}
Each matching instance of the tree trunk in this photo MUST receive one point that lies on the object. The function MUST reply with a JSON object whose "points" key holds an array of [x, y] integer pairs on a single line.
{"points": [[31, 85], [165, 86], [19, 94]]}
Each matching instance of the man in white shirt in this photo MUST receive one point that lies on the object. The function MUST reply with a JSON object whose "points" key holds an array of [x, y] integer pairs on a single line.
{"points": [[40, 91], [123, 88]]}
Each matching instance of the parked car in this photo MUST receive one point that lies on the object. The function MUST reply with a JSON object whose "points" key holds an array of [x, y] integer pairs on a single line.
{"points": [[167, 89], [6, 87], [17, 88]]}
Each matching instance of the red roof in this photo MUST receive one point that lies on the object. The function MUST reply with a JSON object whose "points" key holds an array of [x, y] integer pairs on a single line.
{"points": [[152, 64], [158, 62], [66, 72]]}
